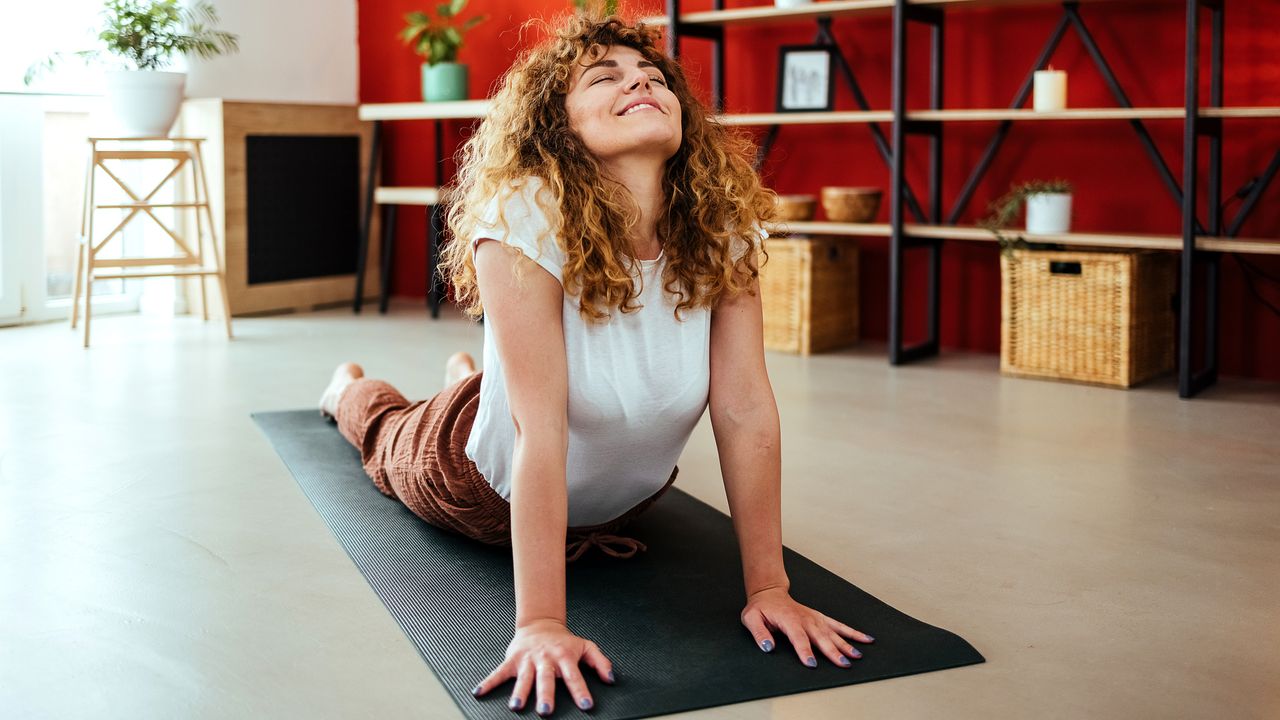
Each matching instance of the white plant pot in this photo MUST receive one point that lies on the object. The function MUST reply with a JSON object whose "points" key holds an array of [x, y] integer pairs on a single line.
{"points": [[1049, 213], [144, 103], [791, 3]]}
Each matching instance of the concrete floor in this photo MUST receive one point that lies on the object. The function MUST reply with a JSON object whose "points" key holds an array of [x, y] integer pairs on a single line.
{"points": [[1113, 554]]}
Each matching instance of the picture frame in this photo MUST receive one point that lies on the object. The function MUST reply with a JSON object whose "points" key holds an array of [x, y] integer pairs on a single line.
{"points": [[806, 78]]}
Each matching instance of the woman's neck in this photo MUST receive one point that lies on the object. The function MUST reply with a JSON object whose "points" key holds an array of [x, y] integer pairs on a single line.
{"points": [[644, 179]]}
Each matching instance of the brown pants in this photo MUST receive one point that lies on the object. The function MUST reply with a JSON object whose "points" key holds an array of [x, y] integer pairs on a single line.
{"points": [[416, 453]]}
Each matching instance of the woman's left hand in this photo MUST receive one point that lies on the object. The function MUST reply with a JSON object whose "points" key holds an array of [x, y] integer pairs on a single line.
{"points": [[774, 609]]}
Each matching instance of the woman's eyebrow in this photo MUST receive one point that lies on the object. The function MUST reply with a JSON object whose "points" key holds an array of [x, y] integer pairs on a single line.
{"points": [[612, 64]]}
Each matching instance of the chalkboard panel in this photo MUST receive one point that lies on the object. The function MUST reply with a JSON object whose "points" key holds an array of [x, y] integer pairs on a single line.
{"points": [[303, 206]]}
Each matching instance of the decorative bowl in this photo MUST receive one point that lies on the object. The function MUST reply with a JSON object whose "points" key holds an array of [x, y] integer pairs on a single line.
{"points": [[797, 207], [851, 204]]}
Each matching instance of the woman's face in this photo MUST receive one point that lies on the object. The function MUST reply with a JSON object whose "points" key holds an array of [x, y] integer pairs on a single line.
{"points": [[620, 105]]}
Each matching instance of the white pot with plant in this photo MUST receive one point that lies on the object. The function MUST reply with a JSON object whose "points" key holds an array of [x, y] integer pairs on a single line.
{"points": [[144, 36], [438, 42], [1048, 204]]}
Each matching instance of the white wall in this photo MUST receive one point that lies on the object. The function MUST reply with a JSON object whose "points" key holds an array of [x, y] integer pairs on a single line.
{"points": [[301, 51]]}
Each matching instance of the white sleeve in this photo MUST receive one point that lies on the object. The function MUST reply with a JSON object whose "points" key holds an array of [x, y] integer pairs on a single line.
{"points": [[527, 228], [739, 245]]}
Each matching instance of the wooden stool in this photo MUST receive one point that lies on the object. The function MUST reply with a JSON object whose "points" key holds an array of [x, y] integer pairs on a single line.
{"points": [[182, 151]]}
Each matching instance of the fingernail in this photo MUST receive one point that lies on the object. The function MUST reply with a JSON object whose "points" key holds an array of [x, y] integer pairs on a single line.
{"points": [[612, 677], [544, 709], [767, 646], [870, 639], [585, 704], [844, 661], [811, 662], [475, 690], [855, 655], [516, 703]]}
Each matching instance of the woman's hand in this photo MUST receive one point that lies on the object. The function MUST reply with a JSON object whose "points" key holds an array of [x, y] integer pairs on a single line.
{"points": [[543, 651], [774, 609]]}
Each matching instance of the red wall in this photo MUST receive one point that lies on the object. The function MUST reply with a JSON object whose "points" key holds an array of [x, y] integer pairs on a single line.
{"points": [[988, 53]]}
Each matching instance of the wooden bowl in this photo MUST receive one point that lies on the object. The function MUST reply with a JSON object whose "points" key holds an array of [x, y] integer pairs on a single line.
{"points": [[797, 207], [851, 204]]}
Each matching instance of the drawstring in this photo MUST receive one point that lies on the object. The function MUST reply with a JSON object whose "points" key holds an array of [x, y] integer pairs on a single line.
{"points": [[579, 546]]}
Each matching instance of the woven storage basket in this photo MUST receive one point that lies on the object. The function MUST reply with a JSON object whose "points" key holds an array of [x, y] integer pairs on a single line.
{"points": [[809, 290], [1094, 317]]}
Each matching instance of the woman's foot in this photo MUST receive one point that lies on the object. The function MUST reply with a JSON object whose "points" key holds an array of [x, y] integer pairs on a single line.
{"points": [[344, 375], [460, 365]]}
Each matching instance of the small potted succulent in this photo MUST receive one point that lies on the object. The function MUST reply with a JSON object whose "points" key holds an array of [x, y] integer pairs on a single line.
{"points": [[1048, 204], [437, 41], [146, 35]]}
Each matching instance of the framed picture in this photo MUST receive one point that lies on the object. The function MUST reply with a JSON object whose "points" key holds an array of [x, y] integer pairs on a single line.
{"points": [[805, 78]]}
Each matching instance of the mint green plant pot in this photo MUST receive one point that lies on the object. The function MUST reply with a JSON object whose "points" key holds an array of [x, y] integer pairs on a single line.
{"points": [[444, 81]]}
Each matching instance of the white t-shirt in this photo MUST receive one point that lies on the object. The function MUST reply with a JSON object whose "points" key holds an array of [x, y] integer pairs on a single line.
{"points": [[638, 382]]}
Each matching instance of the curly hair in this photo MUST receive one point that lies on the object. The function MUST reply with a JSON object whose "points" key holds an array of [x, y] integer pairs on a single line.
{"points": [[713, 196]]}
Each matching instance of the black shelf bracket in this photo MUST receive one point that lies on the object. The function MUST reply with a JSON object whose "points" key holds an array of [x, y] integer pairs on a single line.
{"points": [[899, 241], [1192, 379]]}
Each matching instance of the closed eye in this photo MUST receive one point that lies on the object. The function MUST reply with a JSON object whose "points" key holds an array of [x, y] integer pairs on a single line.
{"points": [[655, 78]]}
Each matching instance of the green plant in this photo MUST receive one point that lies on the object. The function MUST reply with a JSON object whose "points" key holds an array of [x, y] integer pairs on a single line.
{"points": [[436, 40], [148, 33], [1004, 210], [598, 8]]}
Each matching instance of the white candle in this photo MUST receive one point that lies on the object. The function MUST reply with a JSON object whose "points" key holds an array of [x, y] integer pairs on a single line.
{"points": [[1050, 90]]}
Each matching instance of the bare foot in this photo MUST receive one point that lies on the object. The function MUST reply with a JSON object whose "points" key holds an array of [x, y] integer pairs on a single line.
{"points": [[460, 365], [344, 375]]}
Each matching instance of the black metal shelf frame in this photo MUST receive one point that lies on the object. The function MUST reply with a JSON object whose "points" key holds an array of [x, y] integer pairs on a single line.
{"points": [[902, 198], [435, 228]]}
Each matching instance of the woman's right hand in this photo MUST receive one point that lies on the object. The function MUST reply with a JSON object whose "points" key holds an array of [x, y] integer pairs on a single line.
{"points": [[542, 651]]}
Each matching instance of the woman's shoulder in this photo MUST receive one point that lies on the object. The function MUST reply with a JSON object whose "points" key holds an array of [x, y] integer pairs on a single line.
{"points": [[521, 214]]}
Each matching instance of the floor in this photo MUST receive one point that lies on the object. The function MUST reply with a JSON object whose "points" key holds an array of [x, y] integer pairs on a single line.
{"points": [[1113, 554]]}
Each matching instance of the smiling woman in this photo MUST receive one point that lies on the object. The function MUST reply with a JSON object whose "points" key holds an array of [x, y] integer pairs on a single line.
{"points": [[609, 230]]}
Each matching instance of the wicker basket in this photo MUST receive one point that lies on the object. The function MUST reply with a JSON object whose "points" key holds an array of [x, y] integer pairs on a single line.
{"points": [[809, 289], [1096, 317]]}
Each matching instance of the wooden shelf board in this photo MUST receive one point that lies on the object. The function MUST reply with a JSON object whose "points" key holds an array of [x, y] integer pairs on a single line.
{"points": [[806, 118], [1241, 112], [1137, 241], [424, 110], [776, 15], [978, 115], [834, 9], [405, 195], [829, 228]]}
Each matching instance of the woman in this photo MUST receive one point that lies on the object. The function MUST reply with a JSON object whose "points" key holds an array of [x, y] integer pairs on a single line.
{"points": [[611, 232]]}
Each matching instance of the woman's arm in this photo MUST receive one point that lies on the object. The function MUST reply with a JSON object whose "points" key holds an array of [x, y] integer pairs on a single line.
{"points": [[525, 318], [744, 417]]}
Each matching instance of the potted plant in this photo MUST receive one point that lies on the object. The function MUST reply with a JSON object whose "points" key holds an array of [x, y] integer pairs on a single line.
{"points": [[1048, 205], [601, 8], [443, 77], [146, 34]]}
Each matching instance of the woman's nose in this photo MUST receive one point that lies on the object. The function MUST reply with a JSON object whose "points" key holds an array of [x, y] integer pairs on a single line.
{"points": [[641, 79]]}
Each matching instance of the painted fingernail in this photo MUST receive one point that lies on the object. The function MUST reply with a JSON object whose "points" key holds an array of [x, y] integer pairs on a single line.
{"points": [[811, 662], [870, 639], [475, 691], [844, 661], [767, 646], [585, 704], [612, 677], [855, 654], [516, 703], [544, 709]]}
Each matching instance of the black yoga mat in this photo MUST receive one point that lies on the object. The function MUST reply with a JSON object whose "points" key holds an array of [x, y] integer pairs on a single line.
{"points": [[667, 618]]}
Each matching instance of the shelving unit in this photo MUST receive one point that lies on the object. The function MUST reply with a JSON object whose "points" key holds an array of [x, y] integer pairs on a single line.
{"points": [[387, 197], [911, 224], [1199, 241]]}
